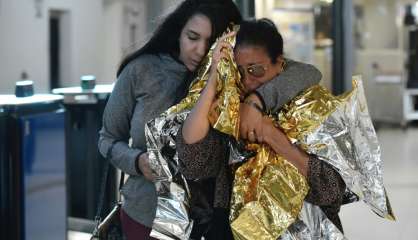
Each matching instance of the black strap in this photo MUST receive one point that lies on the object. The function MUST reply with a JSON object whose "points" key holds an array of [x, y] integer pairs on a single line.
{"points": [[121, 182], [104, 183]]}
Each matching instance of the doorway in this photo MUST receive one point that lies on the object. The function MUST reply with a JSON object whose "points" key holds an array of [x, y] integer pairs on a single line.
{"points": [[59, 48], [54, 49]]}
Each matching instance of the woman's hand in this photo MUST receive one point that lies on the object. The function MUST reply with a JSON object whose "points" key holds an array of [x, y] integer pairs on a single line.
{"points": [[143, 165], [219, 53], [256, 127], [251, 119]]}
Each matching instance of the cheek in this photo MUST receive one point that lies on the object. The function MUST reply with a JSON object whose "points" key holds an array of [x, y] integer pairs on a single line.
{"points": [[265, 80], [251, 84], [184, 45]]}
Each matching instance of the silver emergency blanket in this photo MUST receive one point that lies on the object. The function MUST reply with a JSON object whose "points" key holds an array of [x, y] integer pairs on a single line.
{"points": [[347, 140], [312, 224], [172, 219]]}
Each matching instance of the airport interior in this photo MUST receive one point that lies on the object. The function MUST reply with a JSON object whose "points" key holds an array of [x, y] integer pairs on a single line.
{"points": [[58, 63]]}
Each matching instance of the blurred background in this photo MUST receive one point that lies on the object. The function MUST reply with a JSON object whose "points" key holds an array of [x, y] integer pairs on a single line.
{"points": [[66, 52]]}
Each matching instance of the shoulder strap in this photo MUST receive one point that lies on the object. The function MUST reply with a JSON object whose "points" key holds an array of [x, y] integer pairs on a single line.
{"points": [[106, 171]]}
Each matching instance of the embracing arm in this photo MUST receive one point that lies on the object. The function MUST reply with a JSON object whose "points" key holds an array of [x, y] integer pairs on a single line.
{"points": [[326, 185], [295, 78], [271, 96]]}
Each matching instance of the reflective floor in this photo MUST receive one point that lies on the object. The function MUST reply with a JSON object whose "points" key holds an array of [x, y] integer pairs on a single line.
{"points": [[400, 159], [78, 236]]}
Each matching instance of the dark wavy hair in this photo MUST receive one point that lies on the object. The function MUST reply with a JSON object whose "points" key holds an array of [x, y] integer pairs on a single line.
{"points": [[261, 33], [166, 38]]}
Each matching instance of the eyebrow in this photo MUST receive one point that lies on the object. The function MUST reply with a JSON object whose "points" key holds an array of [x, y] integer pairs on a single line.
{"points": [[193, 32]]}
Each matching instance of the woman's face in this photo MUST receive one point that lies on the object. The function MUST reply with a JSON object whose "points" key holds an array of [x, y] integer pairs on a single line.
{"points": [[255, 66], [194, 41]]}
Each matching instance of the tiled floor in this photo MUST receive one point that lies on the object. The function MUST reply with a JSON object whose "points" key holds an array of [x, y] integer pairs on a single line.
{"points": [[400, 159]]}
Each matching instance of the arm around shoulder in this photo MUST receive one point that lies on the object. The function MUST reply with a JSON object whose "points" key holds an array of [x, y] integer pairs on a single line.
{"points": [[296, 77]]}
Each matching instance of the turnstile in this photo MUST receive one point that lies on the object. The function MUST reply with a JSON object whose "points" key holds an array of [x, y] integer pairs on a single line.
{"points": [[32, 168], [83, 120]]}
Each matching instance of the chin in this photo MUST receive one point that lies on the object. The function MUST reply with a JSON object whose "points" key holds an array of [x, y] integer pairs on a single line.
{"points": [[250, 89], [191, 68]]}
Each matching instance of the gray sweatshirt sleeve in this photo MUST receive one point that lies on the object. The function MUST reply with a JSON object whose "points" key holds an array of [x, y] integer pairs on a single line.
{"points": [[117, 120], [296, 77]]}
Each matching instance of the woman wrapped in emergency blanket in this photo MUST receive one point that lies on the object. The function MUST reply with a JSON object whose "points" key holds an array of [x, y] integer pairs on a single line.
{"points": [[293, 184]]}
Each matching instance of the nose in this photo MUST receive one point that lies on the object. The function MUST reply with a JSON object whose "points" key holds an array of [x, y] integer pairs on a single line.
{"points": [[247, 82], [201, 49], [251, 83]]}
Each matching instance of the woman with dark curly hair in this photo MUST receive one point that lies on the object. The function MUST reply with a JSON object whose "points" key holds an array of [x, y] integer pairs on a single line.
{"points": [[270, 81]]}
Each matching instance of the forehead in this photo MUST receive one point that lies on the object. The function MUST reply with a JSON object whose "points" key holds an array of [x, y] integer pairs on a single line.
{"points": [[199, 24], [248, 54]]}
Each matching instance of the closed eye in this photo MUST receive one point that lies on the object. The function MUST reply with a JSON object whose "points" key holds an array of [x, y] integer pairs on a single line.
{"points": [[193, 35]]}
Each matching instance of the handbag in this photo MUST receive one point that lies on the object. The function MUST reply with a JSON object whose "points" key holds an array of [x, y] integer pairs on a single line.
{"points": [[110, 228]]}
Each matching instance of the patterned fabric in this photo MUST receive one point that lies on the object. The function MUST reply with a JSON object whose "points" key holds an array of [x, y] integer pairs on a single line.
{"points": [[208, 158], [326, 189]]}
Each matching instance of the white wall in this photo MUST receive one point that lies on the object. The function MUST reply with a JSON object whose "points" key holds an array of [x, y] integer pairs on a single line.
{"points": [[112, 40], [23, 43], [94, 38]]}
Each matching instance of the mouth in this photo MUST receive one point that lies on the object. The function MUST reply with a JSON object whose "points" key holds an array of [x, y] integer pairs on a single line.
{"points": [[250, 87], [195, 63]]}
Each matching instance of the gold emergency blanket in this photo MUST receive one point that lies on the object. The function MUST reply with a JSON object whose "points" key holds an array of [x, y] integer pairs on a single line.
{"points": [[338, 130], [268, 193], [267, 196]]}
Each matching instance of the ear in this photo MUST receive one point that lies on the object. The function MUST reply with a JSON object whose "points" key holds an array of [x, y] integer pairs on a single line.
{"points": [[280, 59], [279, 63]]}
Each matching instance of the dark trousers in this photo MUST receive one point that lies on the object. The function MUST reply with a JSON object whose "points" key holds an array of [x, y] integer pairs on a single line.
{"points": [[134, 230]]}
